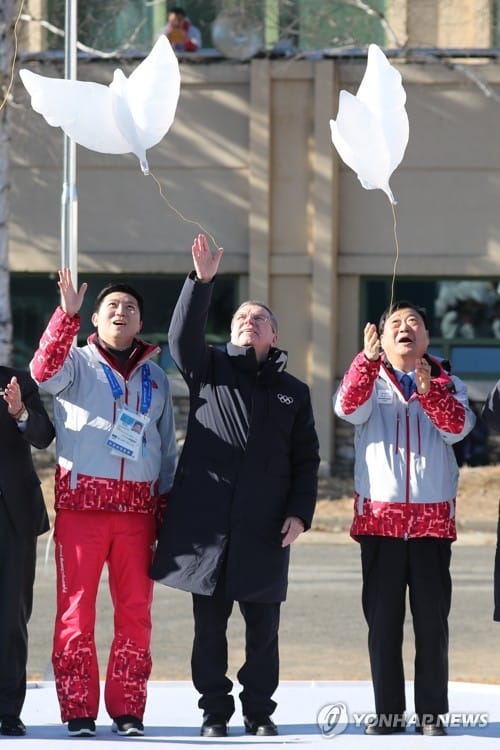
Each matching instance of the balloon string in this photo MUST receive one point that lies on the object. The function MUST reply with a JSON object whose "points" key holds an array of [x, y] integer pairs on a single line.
{"points": [[179, 214], [395, 228], [14, 58]]}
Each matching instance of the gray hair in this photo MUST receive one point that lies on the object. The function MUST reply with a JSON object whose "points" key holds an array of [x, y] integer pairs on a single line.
{"points": [[272, 316]]}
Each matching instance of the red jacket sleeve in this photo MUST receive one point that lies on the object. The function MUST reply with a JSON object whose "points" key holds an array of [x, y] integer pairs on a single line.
{"points": [[357, 383], [54, 345], [442, 408]]}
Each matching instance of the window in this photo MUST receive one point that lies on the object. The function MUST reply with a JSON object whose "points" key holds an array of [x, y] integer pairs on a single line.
{"points": [[35, 296], [310, 24], [110, 25], [323, 24], [463, 315]]}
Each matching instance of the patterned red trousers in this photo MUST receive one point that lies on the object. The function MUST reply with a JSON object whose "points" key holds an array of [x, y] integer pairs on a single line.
{"points": [[84, 542]]}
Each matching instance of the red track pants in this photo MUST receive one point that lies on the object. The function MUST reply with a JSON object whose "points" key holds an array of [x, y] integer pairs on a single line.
{"points": [[84, 542]]}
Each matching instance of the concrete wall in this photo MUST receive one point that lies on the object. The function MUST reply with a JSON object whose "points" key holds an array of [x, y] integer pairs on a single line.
{"points": [[250, 158]]}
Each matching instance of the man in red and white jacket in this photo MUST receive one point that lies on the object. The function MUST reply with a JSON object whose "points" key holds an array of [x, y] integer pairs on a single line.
{"points": [[407, 412], [116, 452]]}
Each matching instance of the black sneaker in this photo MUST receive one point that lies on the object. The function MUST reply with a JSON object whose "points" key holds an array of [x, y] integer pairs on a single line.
{"points": [[128, 726], [83, 727]]}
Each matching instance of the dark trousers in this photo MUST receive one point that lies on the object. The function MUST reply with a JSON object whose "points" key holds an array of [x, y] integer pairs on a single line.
{"points": [[390, 567], [259, 675], [17, 575]]}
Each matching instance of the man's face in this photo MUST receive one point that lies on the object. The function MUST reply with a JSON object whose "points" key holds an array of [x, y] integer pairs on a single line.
{"points": [[175, 20], [404, 338], [118, 320], [252, 326]]}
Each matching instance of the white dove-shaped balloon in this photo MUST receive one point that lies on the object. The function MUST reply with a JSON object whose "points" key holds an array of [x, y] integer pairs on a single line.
{"points": [[128, 116], [371, 130]]}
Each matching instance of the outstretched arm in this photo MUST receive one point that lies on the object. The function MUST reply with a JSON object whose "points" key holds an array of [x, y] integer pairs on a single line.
{"points": [[56, 341], [186, 335]]}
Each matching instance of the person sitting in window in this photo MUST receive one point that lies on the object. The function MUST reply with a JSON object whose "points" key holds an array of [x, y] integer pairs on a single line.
{"points": [[473, 450], [459, 322], [180, 32], [495, 320]]}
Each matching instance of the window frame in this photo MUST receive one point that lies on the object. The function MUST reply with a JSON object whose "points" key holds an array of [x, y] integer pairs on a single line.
{"points": [[441, 346]]}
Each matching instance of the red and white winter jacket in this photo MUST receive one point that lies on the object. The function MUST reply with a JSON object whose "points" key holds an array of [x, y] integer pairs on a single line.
{"points": [[405, 472], [88, 475]]}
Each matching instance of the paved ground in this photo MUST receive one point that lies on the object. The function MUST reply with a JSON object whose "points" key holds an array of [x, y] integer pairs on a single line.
{"points": [[323, 633], [308, 715], [323, 638]]}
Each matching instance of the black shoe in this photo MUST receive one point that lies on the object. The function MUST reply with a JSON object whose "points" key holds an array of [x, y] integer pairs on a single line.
{"points": [[83, 727], [431, 725], [12, 726], [214, 725], [386, 724], [262, 726], [128, 726]]}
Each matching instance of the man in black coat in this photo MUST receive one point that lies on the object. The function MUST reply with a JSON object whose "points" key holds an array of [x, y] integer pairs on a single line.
{"points": [[491, 417], [23, 423], [245, 488]]}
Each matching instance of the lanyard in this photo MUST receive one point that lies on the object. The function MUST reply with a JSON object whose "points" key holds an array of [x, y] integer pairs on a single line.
{"points": [[146, 390]]}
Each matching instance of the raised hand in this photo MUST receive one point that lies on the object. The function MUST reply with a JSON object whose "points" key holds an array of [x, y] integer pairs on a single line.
{"points": [[12, 395], [422, 375], [205, 264], [71, 300], [371, 346]]}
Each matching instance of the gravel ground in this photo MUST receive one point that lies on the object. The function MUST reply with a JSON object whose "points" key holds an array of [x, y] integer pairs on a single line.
{"points": [[477, 500]]}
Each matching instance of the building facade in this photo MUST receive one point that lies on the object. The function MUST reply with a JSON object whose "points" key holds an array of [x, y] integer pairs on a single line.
{"points": [[249, 160]]}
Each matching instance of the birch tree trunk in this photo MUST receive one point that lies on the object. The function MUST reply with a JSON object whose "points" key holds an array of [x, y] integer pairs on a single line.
{"points": [[7, 9]]}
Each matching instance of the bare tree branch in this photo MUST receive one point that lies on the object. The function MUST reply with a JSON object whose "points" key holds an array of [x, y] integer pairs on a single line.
{"points": [[83, 47], [366, 8]]}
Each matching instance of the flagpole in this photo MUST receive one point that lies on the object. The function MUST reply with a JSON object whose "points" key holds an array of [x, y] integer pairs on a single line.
{"points": [[69, 197]]}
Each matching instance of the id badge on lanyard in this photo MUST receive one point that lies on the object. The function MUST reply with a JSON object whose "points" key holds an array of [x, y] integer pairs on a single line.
{"points": [[127, 433]]}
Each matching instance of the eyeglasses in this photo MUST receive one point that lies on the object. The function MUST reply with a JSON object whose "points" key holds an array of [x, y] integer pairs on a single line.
{"points": [[258, 318]]}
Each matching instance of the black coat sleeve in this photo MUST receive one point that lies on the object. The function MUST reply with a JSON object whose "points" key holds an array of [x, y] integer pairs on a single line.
{"points": [[496, 613], [19, 483], [186, 335], [491, 409], [39, 430], [304, 456]]}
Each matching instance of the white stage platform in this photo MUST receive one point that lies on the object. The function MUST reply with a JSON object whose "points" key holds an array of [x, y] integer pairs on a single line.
{"points": [[309, 715]]}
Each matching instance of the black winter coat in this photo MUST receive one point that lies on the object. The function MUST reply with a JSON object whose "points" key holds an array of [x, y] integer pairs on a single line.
{"points": [[491, 417], [250, 460], [19, 484], [496, 611]]}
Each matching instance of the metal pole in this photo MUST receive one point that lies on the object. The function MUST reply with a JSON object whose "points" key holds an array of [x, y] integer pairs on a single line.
{"points": [[69, 197]]}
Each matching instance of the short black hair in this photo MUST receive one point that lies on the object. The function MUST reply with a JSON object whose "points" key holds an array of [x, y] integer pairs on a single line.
{"points": [[178, 10], [402, 304], [119, 286]]}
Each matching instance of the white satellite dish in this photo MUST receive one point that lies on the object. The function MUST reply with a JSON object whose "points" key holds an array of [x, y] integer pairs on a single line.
{"points": [[237, 34]]}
